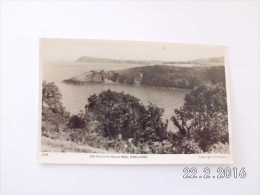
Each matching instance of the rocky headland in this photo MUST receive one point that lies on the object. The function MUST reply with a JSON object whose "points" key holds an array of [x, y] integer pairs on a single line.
{"points": [[154, 75]]}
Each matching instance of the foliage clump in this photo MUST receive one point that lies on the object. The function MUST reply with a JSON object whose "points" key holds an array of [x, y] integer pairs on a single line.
{"points": [[54, 115], [188, 146], [219, 148], [120, 114], [203, 117], [56, 121]]}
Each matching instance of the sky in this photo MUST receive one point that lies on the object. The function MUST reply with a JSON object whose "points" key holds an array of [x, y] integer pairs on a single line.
{"points": [[73, 49]]}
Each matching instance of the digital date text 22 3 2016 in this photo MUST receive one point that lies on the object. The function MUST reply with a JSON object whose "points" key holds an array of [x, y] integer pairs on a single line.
{"points": [[191, 173]]}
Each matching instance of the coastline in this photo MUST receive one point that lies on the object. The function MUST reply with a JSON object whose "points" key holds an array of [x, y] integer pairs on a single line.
{"points": [[117, 83]]}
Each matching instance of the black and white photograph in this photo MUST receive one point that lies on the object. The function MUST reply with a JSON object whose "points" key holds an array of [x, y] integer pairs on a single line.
{"points": [[129, 97], [126, 97]]}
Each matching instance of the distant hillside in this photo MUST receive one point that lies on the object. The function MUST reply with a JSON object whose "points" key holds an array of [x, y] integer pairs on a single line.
{"points": [[205, 61], [105, 60], [209, 61], [217, 60], [156, 75]]}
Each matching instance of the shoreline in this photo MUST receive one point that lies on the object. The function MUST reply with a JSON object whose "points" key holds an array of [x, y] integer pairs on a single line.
{"points": [[117, 83]]}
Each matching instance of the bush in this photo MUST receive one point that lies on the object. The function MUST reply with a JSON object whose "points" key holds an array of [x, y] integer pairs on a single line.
{"points": [[203, 117], [54, 115], [76, 122], [188, 146], [219, 148], [124, 115]]}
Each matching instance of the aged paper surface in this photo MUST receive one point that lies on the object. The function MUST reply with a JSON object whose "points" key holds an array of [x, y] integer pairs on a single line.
{"points": [[129, 102]]}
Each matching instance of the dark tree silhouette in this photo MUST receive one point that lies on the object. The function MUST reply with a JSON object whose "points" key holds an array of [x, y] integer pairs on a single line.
{"points": [[203, 117], [76, 122], [124, 115]]}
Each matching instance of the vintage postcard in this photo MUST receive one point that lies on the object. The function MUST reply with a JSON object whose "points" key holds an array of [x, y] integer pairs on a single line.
{"points": [[133, 102]]}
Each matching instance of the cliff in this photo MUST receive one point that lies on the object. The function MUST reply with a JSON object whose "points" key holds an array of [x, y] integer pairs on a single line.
{"points": [[157, 75]]}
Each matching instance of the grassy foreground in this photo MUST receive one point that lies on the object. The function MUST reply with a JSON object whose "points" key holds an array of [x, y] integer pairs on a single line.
{"points": [[55, 145]]}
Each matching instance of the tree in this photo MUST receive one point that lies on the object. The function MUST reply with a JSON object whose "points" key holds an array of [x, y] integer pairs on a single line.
{"points": [[123, 115], [203, 117], [54, 115], [51, 97]]}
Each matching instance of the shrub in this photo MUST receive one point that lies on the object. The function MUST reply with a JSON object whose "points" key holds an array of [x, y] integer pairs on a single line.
{"points": [[123, 114], [219, 148], [203, 117], [54, 115], [188, 146], [76, 122]]}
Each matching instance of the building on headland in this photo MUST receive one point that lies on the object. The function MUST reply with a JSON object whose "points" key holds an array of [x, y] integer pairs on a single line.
{"points": [[138, 79]]}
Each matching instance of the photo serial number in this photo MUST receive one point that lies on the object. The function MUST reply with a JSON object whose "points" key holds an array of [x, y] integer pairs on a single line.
{"points": [[191, 173]]}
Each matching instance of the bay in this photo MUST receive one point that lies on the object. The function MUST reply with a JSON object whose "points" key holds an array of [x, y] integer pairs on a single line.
{"points": [[75, 97]]}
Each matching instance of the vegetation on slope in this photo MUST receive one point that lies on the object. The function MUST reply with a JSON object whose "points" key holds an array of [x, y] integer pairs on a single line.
{"points": [[122, 115], [157, 75], [118, 122], [203, 118]]}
